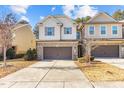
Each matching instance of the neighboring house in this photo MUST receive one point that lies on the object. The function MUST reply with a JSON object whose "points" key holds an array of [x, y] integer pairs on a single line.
{"points": [[104, 27], [23, 37], [57, 38]]}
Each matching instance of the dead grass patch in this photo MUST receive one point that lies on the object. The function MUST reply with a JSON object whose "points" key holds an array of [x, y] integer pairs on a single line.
{"points": [[13, 66], [99, 71]]}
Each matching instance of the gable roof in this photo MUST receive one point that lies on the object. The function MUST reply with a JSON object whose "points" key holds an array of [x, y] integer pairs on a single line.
{"points": [[49, 16], [64, 16], [21, 24], [100, 14], [56, 19]]}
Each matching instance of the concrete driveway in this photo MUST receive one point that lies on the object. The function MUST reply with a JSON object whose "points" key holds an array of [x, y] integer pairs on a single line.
{"points": [[47, 74], [114, 61]]}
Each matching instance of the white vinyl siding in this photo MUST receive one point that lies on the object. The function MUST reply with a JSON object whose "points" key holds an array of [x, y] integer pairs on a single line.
{"points": [[58, 33]]}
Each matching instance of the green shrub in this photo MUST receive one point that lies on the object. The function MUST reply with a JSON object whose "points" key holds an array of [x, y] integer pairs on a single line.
{"points": [[1, 57], [35, 53], [10, 53], [19, 55], [30, 54]]}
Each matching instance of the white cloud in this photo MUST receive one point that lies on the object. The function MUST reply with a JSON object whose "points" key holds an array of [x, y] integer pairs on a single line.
{"points": [[19, 9], [53, 8], [79, 11], [24, 18], [86, 11], [41, 17], [68, 9]]}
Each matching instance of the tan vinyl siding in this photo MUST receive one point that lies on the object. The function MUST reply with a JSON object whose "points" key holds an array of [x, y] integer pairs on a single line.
{"points": [[24, 39]]}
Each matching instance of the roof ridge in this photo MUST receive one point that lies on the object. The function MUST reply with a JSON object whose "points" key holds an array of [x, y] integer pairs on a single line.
{"points": [[101, 13], [57, 19], [48, 17]]}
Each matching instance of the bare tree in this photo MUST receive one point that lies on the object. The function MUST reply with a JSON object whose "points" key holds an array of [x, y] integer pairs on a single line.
{"points": [[7, 22], [36, 31], [89, 45]]}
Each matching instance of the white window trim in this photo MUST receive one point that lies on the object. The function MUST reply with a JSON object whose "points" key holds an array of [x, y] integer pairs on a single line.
{"points": [[89, 30], [112, 31], [67, 34], [105, 29], [49, 35]]}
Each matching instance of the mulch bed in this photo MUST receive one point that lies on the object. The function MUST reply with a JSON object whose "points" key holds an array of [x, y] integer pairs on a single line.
{"points": [[100, 71]]}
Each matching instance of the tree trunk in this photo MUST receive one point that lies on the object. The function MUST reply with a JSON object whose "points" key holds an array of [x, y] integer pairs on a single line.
{"points": [[4, 56], [88, 54]]}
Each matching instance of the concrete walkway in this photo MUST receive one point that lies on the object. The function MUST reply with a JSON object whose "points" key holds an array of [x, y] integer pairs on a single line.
{"points": [[113, 61], [47, 74]]}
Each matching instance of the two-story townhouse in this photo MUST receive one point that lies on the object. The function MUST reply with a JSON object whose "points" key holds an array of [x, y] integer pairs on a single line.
{"points": [[57, 38], [103, 27]]}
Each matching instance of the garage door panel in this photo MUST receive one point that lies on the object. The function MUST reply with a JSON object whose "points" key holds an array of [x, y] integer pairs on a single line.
{"points": [[57, 53], [106, 51]]}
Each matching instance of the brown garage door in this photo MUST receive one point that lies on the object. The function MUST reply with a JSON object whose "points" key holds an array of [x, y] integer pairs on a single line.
{"points": [[57, 53], [106, 51]]}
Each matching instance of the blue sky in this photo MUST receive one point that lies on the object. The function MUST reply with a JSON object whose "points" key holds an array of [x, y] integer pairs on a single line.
{"points": [[35, 13]]}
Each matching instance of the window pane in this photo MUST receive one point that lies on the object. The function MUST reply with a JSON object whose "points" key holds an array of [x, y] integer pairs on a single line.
{"points": [[91, 30], [49, 31], [103, 30], [67, 30], [114, 29], [78, 35]]}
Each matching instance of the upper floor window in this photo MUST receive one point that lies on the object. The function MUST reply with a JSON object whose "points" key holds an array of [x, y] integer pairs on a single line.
{"points": [[49, 31], [78, 35], [67, 30], [114, 30], [91, 30], [103, 30]]}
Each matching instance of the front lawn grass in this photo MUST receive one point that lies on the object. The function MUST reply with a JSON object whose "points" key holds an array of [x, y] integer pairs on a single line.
{"points": [[100, 71], [13, 66]]}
